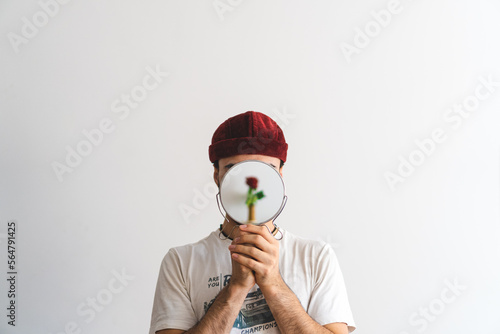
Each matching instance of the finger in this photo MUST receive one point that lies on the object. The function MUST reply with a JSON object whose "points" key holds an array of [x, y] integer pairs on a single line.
{"points": [[238, 264], [255, 240], [249, 251], [259, 229], [237, 239], [245, 261], [232, 249], [238, 232]]}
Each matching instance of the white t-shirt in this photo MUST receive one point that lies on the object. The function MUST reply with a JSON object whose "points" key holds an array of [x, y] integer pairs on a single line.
{"points": [[192, 275]]}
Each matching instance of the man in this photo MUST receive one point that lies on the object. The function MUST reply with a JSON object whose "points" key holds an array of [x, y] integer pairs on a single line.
{"points": [[243, 278]]}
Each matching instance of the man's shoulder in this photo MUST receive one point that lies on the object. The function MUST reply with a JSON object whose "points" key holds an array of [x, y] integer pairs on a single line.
{"points": [[298, 250], [303, 244], [294, 238], [200, 246]]}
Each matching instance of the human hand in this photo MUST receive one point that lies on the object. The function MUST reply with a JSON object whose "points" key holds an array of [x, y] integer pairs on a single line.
{"points": [[258, 251], [242, 276]]}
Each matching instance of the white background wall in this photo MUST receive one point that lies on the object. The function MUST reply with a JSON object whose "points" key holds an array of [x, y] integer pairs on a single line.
{"points": [[348, 118]]}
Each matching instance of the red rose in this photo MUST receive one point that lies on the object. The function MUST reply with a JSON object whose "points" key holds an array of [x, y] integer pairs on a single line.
{"points": [[252, 182]]}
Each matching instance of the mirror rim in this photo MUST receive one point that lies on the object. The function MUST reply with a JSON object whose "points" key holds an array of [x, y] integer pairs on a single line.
{"points": [[276, 171]]}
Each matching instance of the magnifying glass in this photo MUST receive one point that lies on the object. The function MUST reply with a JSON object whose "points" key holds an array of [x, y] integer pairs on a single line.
{"points": [[252, 192]]}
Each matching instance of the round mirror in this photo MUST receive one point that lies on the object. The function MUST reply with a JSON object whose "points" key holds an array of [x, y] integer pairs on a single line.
{"points": [[252, 192]]}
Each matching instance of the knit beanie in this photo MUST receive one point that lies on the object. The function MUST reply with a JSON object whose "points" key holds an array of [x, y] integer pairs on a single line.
{"points": [[251, 132]]}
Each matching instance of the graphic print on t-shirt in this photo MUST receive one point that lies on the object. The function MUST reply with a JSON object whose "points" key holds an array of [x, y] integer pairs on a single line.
{"points": [[254, 312]]}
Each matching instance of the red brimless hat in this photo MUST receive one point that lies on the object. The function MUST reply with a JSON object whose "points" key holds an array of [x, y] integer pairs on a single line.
{"points": [[251, 132]]}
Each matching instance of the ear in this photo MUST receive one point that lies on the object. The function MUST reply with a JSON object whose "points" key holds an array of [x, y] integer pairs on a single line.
{"points": [[216, 177]]}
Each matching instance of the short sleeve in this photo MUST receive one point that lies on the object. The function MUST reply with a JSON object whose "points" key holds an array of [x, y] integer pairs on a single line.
{"points": [[329, 302], [171, 306]]}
